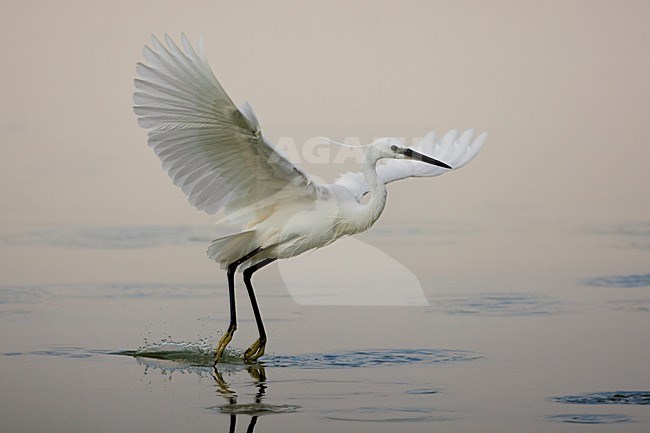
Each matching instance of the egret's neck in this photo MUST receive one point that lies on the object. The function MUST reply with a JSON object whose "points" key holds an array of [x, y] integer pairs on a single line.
{"points": [[375, 205]]}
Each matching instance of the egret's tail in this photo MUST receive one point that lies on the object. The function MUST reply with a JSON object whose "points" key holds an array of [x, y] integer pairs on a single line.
{"points": [[229, 248]]}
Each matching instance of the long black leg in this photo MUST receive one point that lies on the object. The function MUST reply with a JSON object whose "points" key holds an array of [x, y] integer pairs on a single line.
{"points": [[248, 273], [257, 349], [233, 309]]}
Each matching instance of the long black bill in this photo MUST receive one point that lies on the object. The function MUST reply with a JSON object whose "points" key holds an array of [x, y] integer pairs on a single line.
{"points": [[419, 157]]}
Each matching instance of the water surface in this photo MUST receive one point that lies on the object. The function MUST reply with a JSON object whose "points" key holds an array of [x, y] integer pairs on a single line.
{"points": [[131, 349]]}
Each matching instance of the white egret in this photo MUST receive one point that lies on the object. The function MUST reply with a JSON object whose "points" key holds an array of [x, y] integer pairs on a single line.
{"points": [[216, 153]]}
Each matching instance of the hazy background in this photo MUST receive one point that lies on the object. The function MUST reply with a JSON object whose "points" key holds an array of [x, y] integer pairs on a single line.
{"points": [[534, 256], [562, 88]]}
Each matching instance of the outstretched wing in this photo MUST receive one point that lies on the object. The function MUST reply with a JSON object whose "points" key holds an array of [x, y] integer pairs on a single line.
{"points": [[212, 150], [454, 149]]}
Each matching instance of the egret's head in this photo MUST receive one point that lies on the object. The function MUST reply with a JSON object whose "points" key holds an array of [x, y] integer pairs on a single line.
{"points": [[393, 148]]}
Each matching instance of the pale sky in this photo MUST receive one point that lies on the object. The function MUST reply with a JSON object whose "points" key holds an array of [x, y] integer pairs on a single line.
{"points": [[562, 88]]}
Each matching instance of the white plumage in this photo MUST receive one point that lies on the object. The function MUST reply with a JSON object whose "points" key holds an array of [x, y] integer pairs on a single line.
{"points": [[454, 148], [216, 153]]}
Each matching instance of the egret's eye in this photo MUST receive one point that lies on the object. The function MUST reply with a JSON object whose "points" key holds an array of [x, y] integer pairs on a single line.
{"points": [[394, 148]]}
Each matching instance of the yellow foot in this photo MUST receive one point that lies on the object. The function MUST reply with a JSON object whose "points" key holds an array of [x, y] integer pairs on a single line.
{"points": [[223, 343], [255, 351]]}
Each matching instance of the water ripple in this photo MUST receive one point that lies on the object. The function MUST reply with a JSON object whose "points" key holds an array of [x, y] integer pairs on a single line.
{"points": [[590, 418], [623, 281], [170, 355], [113, 237], [390, 415], [612, 397], [201, 354], [255, 409], [370, 358], [497, 304], [431, 232], [631, 305], [11, 294], [626, 235], [70, 352], [635, 229]]}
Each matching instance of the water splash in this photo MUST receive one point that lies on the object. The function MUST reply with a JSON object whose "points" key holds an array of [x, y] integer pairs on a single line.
{"points": [[173, 355], [199, 354], [202, 355]]}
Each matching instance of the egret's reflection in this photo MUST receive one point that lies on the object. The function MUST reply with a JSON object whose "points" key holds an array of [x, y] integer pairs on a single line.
{"points": [[258, 374], [186, 358]]}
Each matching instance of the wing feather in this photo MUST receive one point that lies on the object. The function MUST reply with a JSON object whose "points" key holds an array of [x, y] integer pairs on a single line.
{"points": [[212, 150], [453, 148]]}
